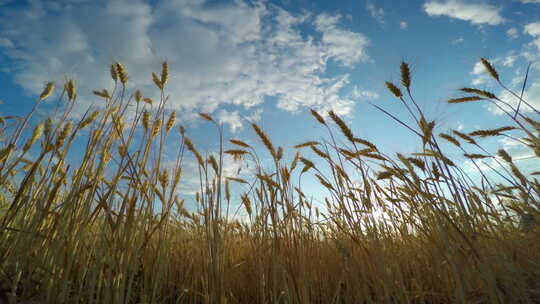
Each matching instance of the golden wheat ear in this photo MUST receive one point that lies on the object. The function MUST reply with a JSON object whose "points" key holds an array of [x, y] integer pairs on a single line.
{"points": [[342, 126], [171, 121], [47, 91], [405, 75], [265, 139], [490, 69]]}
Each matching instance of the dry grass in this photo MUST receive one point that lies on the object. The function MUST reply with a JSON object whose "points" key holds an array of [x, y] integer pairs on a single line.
{"points": [[112, 228]]}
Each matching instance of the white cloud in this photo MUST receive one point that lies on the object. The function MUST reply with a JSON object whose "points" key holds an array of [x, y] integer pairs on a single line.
{"points": [[478, 68], [6, 43], [255, 116], [475, 13], [533, 29], [516, 148], [510, 143], [458, 40], [233, 53], [530, 1], [509, 60], [469, 166], [235, 120], [526, 164], [522, 155], [479, 71], [512, 33], [230, 118], [359, 93], [190, 182], [342, 45], [376, 12], [403, 25], [531, 96]]}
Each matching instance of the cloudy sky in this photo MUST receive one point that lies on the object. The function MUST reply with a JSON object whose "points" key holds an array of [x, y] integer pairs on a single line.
{"points": [[271, 61]]}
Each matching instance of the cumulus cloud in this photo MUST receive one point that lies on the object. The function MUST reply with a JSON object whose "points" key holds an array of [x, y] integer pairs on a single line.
{"points": [[230, 118], [229, 53], [359, 93], [516, 148], [479, 73], [342, 45], [190, 182], [376, 12], [522, 155], [475, 13], [457, 40], [403, 25], [509, 60], [512, 33], [478, 68], [235, 120], [531, 96], [255, 115], [533, 29]]}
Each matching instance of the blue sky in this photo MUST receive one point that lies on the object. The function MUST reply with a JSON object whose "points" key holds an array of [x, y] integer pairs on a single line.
{"points": [[269, 62]]}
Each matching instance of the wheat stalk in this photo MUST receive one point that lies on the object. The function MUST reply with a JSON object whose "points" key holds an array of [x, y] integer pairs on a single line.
{"points": [[504, 155], [465, 99], [491, 70], [164, 73], [395, 90], [449, 138], [475, 156], [192, 148], [138, 96], [342, 126], [47, 91], [264, 138], [237, 154], [122, 73], [156, 127], [114, 73], [239, 143], [148, 100], [405, 75], [491, 132], [482, 93], [206, 116], [63, 134], [71, 90], [465, 137], [146, 120], [306, 144], [157, 81], [36, 134], [318, 117], [171, 121]]}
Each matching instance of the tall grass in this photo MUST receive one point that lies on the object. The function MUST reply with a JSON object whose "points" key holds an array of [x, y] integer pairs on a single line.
{"points": [[392, 229]]}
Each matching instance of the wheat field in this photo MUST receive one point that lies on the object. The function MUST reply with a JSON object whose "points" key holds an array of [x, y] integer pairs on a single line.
{"points": [[112, 228]]}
